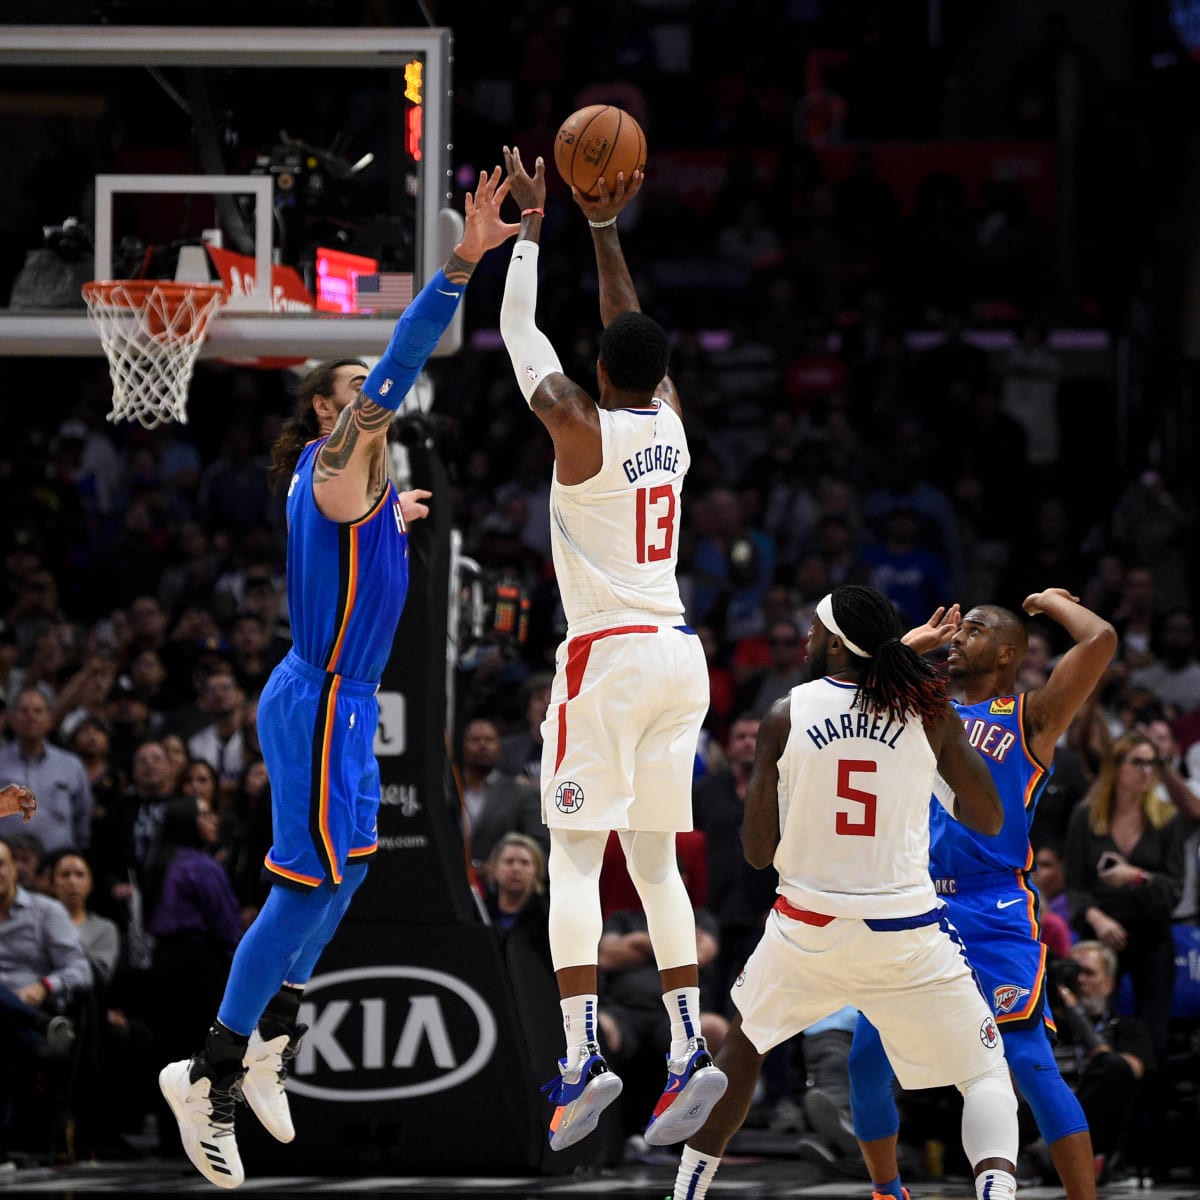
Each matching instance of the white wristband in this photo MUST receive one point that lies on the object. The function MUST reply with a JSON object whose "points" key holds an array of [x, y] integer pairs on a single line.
{"points": [[602, 224]]}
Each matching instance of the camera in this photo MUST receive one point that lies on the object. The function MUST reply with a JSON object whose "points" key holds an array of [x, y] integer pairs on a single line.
{"points": [[1063, 972]]}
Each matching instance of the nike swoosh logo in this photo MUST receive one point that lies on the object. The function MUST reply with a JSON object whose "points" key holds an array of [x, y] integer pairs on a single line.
{"points": [[454, 294], [1009, 903], [517, 257]]}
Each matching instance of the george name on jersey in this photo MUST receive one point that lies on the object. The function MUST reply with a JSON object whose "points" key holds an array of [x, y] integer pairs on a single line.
{"points": [[991, 740], [659, 457], [872, 726]]}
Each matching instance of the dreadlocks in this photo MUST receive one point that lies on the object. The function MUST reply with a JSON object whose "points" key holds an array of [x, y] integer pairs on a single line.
{"points": [[895, 678], [303, 426]]}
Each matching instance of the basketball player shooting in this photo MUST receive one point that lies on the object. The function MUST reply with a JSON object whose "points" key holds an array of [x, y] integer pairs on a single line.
{"points": [[631, 685]]}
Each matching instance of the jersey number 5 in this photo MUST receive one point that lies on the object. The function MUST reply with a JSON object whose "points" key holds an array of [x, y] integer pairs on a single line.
{"points": [[662, 533], [844, 825]]}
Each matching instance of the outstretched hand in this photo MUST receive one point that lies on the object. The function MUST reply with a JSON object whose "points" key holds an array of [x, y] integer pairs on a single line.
{"points": [[937, 631], [608, 203], [485, 228], [529, 191]]}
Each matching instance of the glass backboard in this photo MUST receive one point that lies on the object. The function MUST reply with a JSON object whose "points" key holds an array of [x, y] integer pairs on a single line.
{"points": [[126, 149]]}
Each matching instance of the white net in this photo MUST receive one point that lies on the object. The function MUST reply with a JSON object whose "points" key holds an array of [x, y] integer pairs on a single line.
{"points": [[151, 331]]}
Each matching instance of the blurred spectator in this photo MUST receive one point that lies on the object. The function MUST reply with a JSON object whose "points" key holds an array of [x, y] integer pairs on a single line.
{"points": [[837, 543], [220, 742], [739, 897], [149, 678], [1152, 528], [1103, 590], [521, 752], [720, 683], [90, 743], [36, 607], [1124, 874], [254, 652], [1174, 674], [1135, 616], [71, 884], [130, 720], [1029, 385], [55, 776], [912, 576], [495, 803], [827, 1094], [42, 965], [783, 672], [85, 694], [29, 860], [1050, 880], [1102, 1056], [752, 653], [515, 895], [178, 758], [246, 831]]}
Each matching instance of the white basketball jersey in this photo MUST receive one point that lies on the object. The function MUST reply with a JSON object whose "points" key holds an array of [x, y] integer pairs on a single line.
{"points": [[854, 792], [615, 537]]}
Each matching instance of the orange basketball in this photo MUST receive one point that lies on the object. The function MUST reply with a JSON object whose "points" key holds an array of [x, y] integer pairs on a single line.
{"points": [[598, 140]]}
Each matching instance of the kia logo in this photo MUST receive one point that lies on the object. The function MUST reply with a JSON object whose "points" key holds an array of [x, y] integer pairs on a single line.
{"points": [[376, 1025]]}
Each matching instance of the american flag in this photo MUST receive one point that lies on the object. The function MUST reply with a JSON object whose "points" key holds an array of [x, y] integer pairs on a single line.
{"points": [[386, 291]]}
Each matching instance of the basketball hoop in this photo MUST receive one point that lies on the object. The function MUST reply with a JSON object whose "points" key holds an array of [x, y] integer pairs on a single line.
{"points": [[151, 331]]}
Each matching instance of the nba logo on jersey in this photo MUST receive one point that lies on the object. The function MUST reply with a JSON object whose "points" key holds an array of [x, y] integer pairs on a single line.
{"points": [[1006, 997], [1003, 706], [569, 797], [989, 1035]]}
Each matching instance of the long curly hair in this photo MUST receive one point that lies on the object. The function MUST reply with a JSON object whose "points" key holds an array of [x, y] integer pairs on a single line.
{"points": [[303, 425], [895, 679]]}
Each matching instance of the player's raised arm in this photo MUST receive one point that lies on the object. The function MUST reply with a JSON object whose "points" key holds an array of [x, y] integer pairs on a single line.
{"points": [[351, 468], [566, 410], [760, 825], [977, 804], [1051, 708]]}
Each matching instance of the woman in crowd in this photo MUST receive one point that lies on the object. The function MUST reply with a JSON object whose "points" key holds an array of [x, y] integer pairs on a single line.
{"points": [[1123, 864]]}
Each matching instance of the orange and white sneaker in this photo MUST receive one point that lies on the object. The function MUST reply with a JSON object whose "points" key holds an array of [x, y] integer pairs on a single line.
{"points": [[580, 1094]]}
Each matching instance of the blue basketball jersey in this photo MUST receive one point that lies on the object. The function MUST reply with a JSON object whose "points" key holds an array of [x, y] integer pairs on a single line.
{"points": [[338, 624], [995, 728]]}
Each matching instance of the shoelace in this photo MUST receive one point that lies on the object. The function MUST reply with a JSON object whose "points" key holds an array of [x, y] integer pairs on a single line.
{"points": [[223, 1102], [289, 1052]]}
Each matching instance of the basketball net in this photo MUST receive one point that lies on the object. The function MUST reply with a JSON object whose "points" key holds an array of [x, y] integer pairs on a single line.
{"points": [[151, 331]]}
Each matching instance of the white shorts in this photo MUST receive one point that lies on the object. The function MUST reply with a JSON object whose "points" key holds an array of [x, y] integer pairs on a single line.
{"points": [[914, 985], [619, 739]]}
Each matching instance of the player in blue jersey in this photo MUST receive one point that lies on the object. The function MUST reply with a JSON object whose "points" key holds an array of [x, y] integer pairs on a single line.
{"points": [[347, 575], [985, 880]]}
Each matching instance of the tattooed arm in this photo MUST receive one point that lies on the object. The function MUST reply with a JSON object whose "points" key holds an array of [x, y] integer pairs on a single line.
{"points": [[350, 473]]}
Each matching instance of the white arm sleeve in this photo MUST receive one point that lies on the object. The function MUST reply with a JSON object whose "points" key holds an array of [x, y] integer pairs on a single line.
{"points": [[533, 357]]}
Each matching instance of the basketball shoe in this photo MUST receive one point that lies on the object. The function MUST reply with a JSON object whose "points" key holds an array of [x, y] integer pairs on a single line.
{"points": [[579, 1095], [203, 1104], [267, 1064], [694, 1085]]}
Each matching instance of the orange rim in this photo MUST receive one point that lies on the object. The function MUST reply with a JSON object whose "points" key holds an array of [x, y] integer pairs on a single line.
{"points": [[132, 293]]}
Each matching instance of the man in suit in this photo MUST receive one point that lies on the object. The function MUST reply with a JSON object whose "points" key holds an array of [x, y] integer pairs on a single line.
{"points": [[495, 803]]}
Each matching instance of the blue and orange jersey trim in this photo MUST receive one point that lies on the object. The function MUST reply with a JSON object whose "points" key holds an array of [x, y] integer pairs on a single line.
{"points": [[318, 814], [348, 578], [293, 879]]}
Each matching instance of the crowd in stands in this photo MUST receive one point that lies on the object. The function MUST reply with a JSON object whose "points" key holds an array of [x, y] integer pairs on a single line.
{"points": [[142, 600]]}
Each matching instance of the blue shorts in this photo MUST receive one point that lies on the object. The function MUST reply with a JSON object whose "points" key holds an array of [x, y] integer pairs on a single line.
{"points": [[996, 917], [317, 733]]}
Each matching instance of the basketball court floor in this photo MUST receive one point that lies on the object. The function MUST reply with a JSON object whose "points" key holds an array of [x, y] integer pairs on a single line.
{"points": [[761, 1164]]}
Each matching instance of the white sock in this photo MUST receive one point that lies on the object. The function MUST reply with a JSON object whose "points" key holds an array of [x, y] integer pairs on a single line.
{"points": [[683, 1007], [695, 1173], [579, 1022], [994, 1184]]}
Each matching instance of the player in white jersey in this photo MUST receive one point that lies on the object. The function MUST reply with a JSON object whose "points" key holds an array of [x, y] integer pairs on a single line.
{"points": [[839, 801], [631, 682]]}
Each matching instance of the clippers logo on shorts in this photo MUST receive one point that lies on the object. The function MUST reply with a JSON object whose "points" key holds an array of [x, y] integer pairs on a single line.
{"points": [[1007, 996], [989, 1035], [1003, 706], [569, 797]]}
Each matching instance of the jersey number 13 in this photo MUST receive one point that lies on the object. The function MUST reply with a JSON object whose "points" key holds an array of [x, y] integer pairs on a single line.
{"points": [[655, 523]]}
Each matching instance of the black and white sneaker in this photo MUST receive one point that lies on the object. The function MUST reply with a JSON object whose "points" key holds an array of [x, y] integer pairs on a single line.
{"points": [[203, 1103]]}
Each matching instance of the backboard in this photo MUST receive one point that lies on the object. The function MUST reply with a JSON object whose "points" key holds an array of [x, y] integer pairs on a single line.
{"points": [[154, 137]]}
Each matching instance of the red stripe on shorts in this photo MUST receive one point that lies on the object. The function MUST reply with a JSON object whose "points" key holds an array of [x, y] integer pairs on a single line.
{"points": [[802, 914], [578, 651]]}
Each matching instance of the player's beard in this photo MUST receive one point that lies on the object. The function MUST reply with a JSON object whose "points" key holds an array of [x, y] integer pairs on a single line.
{"points": [[817, 663]]}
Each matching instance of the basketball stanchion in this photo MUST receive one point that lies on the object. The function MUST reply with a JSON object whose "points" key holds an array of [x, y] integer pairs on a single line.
{"points": [[151, 331]]}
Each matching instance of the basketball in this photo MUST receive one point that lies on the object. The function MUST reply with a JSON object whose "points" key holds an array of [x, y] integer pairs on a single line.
{"points": [[598, 140]]}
